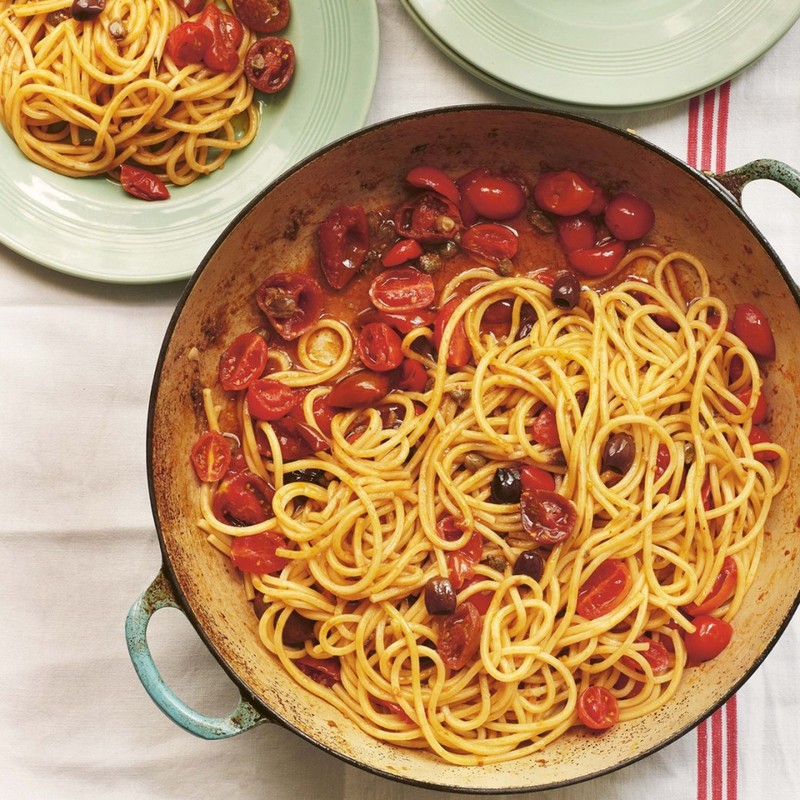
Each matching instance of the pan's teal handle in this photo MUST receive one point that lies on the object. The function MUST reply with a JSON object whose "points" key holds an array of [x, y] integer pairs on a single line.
{"points": [[160, 595], [735, 180]]}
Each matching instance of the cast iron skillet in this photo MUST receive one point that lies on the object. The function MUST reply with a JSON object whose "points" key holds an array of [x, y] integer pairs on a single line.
{"points": [[276, 232]]}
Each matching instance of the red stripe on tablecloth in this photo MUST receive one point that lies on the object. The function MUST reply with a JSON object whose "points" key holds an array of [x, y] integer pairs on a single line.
{"points": [[723, 107], [732, 751], [716, 754], [708, 129]]}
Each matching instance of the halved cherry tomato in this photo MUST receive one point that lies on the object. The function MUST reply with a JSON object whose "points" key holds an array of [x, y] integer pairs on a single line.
{"points": [[722, 590], [187, 43], [343, 244], [547, 516], [211, 456], [598, 260], [565, 193], [326, 671], [481, 600], [494, 197], [428, 218], [459, 352], [576, 233], [711, 636], [402, 252], [662, 460], [243, 361], [544, 428], [359, 389], [292, 302], [598, 709], [142, 183], [656, 655], [751, 325], [760, 409], [297, 439], [490, 242], [403, 321], [450, 528], [461, 563], [394, 708], [323, 414], [402, 289], [379, 347], [243, 499], [604, 589], [435, 180], [533, 477], [264, 16], [413, 376], [226, 31], [629, 216], [759, 436], [270, 400], [459, 636], [257, 554], [269, 64]]}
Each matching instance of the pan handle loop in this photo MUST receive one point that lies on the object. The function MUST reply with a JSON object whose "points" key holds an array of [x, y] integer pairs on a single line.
{"points": [[160, 595], [735, 180]]}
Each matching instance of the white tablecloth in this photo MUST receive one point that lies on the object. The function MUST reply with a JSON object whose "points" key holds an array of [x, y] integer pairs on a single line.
{"points": [[78, 544]]}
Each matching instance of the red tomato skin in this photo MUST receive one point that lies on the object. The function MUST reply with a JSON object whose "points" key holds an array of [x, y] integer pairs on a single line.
{"points": [[402, 252], [751, 325], [402, 289], [544, 428], [629, 217], [296, 438], [436, 180], [243, 361], [495, 197], [343, 240], [291, 302], [257, 554], [459, 353], [141, 183], [325, 671], [269, 64], [359, 389], [533, 477], [481, 600], [402, 321], [461, 563], [272, 400], [711, 636], [490, 243], [468, 214], [662, 460], [759, 411], [548, 517], [760, 436], [429, 218], [656, 655], [211, 456], [243, 499], [722, 590], [604, 590], [459, 636], [226, 32], [564, 193], [188, 42], [264, 17], [413, 376], [598, 709], [379, 347], [576, 233], [599, 260]]}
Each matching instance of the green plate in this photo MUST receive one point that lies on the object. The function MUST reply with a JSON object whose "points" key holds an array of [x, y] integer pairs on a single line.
{"points": [[89, 227], [604, 54]]}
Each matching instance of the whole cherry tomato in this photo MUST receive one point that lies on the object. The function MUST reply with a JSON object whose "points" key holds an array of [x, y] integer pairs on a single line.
{"points": [[468, 214], [269, 64], [413, 376], [428, 218], [494, 197], [243, 361], [655, 654], [343, 244], [604, 589], [533, 477], [379, 347], [459, 636], [751, 325], [359, 389], [257, 553], [598, 260], [187, 43], [292, 302], [600, 200], [211, 456], [243, 499], [436, 180], [326, 671], [548, 517], [459, 352], [722, 590], [711, 636], [544, 428], [264, 16], [576, 233], [270, 400], [402, 289], [402, 252], [564, 193], [490, 242], [629, 216], [598, 709], [226, 31], [142, 183]]}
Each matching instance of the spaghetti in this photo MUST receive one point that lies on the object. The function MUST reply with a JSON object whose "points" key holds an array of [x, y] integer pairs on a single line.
{"points": [[83, 97], [408, 485]]}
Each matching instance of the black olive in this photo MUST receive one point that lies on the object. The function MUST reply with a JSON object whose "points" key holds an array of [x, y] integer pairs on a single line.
{"points": [[506, 485], [529, 563], [527, 318], [84, 10], [566, 291], [298, 629], [440, 597], [259, 605], [619, 452], [315, 476]]}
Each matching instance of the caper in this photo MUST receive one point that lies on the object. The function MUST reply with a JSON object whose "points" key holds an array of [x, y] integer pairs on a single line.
{"points": [[440, 597], [506, 485], [566, 291], [529, 563], [474, 461], [619, 452], [429, 263]]}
